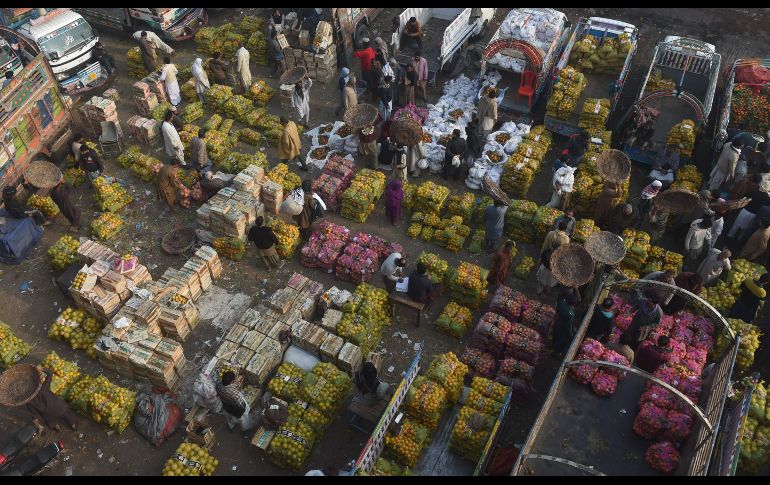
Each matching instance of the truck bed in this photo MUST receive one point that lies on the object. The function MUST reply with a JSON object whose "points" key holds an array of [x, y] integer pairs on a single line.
{"points": [[696, 84], [672, 111], [592, 430], [433, 34], [438, 460], [598, 87]]}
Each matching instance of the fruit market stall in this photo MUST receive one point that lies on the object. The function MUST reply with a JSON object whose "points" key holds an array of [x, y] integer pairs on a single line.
{"points": [[679, 84], [746, 102], [529, 39], [674, 405], [594, 64]]}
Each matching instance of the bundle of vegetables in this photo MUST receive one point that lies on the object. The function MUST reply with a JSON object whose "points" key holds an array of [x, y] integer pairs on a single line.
{"points": [[235, 162], [159, 112], [525, 162], [291, 445], [525, 267], [605, 55], [656, 82], [107, 226], [468, 284], [430, 197], [447, 370], [226, 126], [334, 180], [365, 189], [538, 316], [407, 446], [65, 373], [451, 233], [426, 400], [583, 229], [280, 174], [12, 348], [44, 204], [325, 246], [110, 197], [518, 220], [594, 114], [230, 247], [454, 319], [481, 363], [477, 240], [688, 178], [78, 329], [287, 234], [508, 303], [682, 138], [217, 96], [471, 433], [103, 401], [461, 205], [250, 24], [190, 459], [63, 253], [566, 92], [749, 342], [192, 112], [75, 176], [260, 93], [250, 136], [750, 111], [437, 267], [135, 63], [237, 107]]}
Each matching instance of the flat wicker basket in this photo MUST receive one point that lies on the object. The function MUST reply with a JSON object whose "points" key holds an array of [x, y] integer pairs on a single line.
{"points": [[293, 75], [494, 190], [178, 240], [361, 116], [613, 165], [606, 247], [43, 175], [572, 265], [677, 201], [406, 132], [19, 384]]}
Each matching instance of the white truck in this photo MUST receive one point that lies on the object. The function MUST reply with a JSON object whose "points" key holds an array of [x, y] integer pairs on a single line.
{"points": [[67, 41], [456, 26], [175, 24]]}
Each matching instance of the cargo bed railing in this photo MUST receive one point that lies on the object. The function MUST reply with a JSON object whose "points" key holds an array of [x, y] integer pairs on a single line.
{"points": [[698, 450], [720, 137], [729, 444]]}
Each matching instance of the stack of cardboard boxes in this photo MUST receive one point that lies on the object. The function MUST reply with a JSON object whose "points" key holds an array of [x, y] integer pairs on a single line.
{"points": [[233, 210], [144, 99], [321, 67], [95, 111], [145, 131]]}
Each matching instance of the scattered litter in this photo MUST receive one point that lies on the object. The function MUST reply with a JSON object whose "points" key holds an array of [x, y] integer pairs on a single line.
{"points": [[99, 453], [623, 411], [110, 432], [391, 368], [80, 435], [147, 192], [67, 458], [417, 346], [55, 303], [235, 467], [112, 459], [68, 472], [25, 287], [409, 341], [138, 226], [123, 442]]}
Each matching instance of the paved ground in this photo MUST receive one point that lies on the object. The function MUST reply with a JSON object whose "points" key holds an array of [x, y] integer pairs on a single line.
{"points": [[93, 450]]}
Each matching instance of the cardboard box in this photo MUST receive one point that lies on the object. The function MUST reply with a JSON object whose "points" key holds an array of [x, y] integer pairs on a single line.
{"points": [[330, 348], [199, 432], [262, 438], [349, 358], [226, 351], [330, 320], [236, 333], [252, 339], [282, 42], [242, 357]]}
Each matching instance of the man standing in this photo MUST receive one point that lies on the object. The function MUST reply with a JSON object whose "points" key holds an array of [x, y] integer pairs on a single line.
{"points": [[413, 31], [555, 238], [265, 240], [602, 321], [148, 52], [168, 76], [622, 218], [173, 144], [698, 238], [454, 156], [61, 196], [156, 41], [716, 263], [648, 315], [487, 113], [398, 80], [664, 295], [244, 72], [724, 170], [201, 79], [289, 144], [563, 328], [300, 100], [569, 218], [218, 68], [198, 154], [77, 140], [420, 288], [342, 84], [168, 183], [105, 59], [278, 57], [421, 68], [392, 270], [757, 242], [366, 55], [494, 221], [651, 356], [367, 146]]}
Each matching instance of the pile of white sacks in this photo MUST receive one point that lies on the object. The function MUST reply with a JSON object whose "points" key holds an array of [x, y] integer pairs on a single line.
{"points": [[484, 166], [536, 26]]}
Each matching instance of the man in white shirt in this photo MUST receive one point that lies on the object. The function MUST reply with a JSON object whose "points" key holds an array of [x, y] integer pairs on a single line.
{"points": [[392, 270], [173, 144], [714, 265]]}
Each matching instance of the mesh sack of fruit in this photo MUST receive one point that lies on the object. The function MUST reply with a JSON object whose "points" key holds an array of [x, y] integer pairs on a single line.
{"points": [[471, 432], [488, 388], [291, 445], [480, 362], [321, 393], [64, 252], [403, 449], [604, 383], [679, 427], [287, 382], [426, 400], [482, 404], [523, 343], [659, 396], [662, 456], [44, 204], [190, 459], [12, 348], [650, 421], [524, 268], [516, 369], [230, 247], [449, 372], [582, 374]]}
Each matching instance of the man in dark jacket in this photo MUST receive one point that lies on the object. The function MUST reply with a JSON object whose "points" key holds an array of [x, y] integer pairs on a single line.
{"points": [[16, 210], [602, 321], [420, 288], [62, 197], [218, 68], [47, 407], [576, 147], [199, 156], [623, 217], [265, 240], [90, 162], [457, 147], [105, 58], [651, 356]]}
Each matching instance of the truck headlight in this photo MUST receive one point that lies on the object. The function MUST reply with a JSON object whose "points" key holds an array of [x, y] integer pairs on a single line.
{"points": [[61, 76]]}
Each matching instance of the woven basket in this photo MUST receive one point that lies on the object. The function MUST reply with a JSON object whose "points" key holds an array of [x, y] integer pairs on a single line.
{"points": [[293, 75], [43, 175], [731, 205], [360, 116], [494, 190], [19, 384], [572, 265], [606, 247], [677, 201], [178, 240], [613, 165], [406, 132]]}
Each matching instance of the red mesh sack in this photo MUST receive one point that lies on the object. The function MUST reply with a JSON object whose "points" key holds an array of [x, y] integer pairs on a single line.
{"points": [[592, 349], [603, 383], [679, 426], [582, 374], [614, 357], [662, 457], [650, 421]]}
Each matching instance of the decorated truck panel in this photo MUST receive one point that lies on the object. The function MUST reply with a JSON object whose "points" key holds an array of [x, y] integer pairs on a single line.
{"points": [[600, 82], [580, 432], [746, 103], [520, 46], [35, 121], [172, 23], [680, 84]]}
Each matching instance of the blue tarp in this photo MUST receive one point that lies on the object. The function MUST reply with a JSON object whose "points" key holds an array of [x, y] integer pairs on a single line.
{"points": [[17, 237]]}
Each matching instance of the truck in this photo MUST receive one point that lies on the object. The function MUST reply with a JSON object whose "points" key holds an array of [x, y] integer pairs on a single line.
{"points": [[67, 41], [175, 24], [599, 85], [578, 432], [685, 72], [740, 77], [456, 27], [35, 120], [8, 60], [350, 26], [522, 55]]}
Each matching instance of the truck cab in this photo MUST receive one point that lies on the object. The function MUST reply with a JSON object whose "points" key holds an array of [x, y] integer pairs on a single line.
{"points": [[8, 60], [175, 24], [67, 41]]}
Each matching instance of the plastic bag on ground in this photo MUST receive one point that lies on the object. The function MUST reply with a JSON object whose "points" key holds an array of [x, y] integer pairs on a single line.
{"points": [[205, 393], [156, 417]]}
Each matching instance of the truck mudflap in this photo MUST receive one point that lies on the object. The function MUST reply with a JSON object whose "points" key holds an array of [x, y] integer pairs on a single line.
{"points": [[186, 27]]}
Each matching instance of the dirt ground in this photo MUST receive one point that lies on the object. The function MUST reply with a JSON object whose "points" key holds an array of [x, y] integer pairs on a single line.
{"points": [[31, 300]]}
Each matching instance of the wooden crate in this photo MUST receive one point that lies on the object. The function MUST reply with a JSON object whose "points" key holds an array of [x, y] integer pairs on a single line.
{"points": [[200, 432]]}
